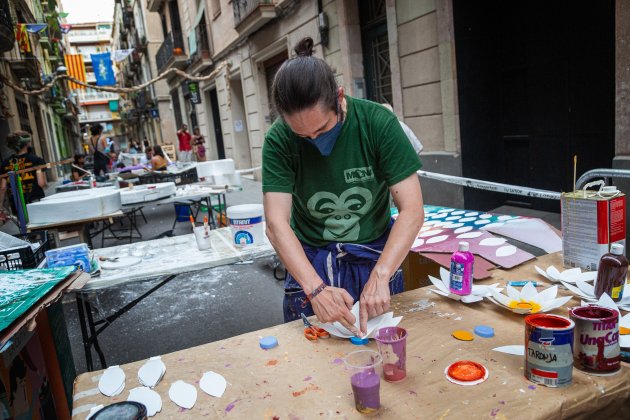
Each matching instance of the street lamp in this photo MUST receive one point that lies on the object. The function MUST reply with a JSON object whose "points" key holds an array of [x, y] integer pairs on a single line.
{"points": [[62, 70]]}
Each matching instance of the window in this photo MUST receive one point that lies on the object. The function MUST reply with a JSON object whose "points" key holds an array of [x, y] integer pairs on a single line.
{"points": [[22, 110]]}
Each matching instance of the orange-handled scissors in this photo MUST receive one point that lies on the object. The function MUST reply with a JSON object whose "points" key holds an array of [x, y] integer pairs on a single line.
{"points": [[312, 332]]}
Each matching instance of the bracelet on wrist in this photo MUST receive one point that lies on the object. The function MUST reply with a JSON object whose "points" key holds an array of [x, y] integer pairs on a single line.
{"points": [[315, 292]]}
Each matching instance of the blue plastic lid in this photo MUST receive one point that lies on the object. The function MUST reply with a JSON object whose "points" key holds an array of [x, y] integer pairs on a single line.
{"points": [[268, 342], [484, 331], [357, 341]]}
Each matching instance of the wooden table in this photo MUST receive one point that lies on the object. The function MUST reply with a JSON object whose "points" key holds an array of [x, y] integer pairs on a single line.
{"points": [[301, 379]]}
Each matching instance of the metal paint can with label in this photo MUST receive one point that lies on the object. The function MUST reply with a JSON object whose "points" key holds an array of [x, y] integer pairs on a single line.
{"points": [[596, 348], [549, 350]]}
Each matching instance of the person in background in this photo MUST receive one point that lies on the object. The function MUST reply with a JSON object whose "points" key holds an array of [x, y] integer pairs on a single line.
{"points": [[133, 147], [33, 183], [146, 158], [415, 141], [99, 147], [199, 145], [158, 161], [145, 145], [78, 172], [329, 166], [184, 152]]}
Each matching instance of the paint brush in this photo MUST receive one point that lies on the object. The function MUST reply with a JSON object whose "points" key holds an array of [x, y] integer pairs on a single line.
{"points": [[192, 221], [574, 171]]}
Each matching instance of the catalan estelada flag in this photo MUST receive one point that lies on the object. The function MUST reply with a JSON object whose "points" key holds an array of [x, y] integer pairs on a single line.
{"points": [[76, 69], [21, 36]]}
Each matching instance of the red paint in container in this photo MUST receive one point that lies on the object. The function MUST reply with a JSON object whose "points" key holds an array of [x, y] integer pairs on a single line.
{"points": [[392, 344], [596, 347], [549, 350]]}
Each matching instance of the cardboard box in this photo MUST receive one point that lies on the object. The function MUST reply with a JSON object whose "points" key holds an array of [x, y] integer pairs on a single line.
{"points": [[590, 224]]}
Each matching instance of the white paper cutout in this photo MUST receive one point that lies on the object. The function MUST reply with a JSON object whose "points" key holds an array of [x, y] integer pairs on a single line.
{"points": [[183, 394], [439, 216], [430, 233], [567, 276], [213, 384], [385, 320], [477, 294], [453, 218], [506, 251], [464, 229], [482, 222], [454, 225], [485, 216], [417, 242], [458, 212], [492, 241], [469, 235], [624, 340], [437, 239], [93, 411], [112, 382], [546, 299], [516, 349], [472, 213], [151, 373], [151, 399], [467, 219]]}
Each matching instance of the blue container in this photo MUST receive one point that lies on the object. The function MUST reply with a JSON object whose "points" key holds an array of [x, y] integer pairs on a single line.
{"points": [[182, 211], [68, 256]]}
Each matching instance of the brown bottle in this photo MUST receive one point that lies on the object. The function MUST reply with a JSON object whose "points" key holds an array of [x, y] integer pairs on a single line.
{"points": [[611, 274]]}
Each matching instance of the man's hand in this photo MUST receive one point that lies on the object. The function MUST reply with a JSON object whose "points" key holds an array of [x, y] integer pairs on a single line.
{"points": [[374, 299], [334, 304]]}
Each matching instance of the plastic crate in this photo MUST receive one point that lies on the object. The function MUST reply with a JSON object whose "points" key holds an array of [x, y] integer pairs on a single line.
{"points": [[187, 177], [25, 257]]}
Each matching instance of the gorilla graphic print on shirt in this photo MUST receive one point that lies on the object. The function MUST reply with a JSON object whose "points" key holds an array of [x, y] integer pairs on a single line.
{"points": [[341, 214]]}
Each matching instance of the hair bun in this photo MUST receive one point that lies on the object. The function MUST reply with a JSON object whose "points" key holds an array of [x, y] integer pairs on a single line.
{"points": [[304, 48]]}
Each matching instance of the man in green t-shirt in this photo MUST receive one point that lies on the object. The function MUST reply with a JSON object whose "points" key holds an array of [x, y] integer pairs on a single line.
{"points": [[329, 166]]}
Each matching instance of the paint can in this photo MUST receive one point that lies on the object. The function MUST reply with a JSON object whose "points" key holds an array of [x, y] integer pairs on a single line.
{"points": [[549, 350], [596, 348], [246, 224]]}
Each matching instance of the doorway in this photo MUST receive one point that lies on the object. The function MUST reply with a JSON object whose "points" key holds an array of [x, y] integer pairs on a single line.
{"points": [[240, 151], [536, 85], [216, 123]]}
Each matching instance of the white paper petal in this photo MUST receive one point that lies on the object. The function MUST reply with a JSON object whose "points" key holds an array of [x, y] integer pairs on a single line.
{"points": [[501, 298], [464, 229], [588, 289], [555, 303], [576, 291], [624, 341], [516, 350], [418, 242], [607, 302], [543, 273], [553, 272], [439, 284], [469, 235], [548, 294], [528, 292], [513, 293], [213, 384], [570, 275], [112, 382], [183, 394], [471, 298], [624, 321], [430, 233], [152, 372], [588, 275], [151, 399], [492, 241]]}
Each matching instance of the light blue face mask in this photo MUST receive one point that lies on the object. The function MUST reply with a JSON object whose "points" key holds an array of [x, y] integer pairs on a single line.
{"points": [[325, 142]]}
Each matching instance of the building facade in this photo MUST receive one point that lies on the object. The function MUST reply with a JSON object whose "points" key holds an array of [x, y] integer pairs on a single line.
{"points": [[97, 107], [489, 96], [32, 59]]}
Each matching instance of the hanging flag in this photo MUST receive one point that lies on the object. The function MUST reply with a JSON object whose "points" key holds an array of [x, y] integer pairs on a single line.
{"points": [[65, 28], [102, 64], [76, 69], [120, 55], [21, 36], [63, 14], [35, 27]]}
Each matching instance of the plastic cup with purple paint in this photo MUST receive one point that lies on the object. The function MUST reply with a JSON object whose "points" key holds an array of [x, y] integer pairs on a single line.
{"points": [[364, 368], [392, 344]]}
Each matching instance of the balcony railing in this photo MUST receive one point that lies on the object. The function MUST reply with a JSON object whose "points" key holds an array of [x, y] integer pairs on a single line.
{"points": [[173, 46], [7, 37], [96, 116], [244, 8], [95, 96]]}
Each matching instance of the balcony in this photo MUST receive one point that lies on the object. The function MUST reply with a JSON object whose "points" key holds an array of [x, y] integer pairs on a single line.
{"points": [[26, 68], [127, 18], [87, 117], [7, 37], [202, 57], [93, 97], [251, 15], [154, 5], [171, 53]]}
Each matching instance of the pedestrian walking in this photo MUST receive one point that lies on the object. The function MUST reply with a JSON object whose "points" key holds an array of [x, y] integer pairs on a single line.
{"points": [[199, 145], [184, 152]]}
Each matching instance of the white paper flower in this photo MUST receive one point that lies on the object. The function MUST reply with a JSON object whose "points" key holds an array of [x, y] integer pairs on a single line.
{"points": [[529, 300], [586, 291], [569, 276], [477, 294], [385, 320]]}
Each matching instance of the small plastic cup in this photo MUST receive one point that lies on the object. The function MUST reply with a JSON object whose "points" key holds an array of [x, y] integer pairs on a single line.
{"points": [[364, 369], [202, 236], [392, 344]]}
